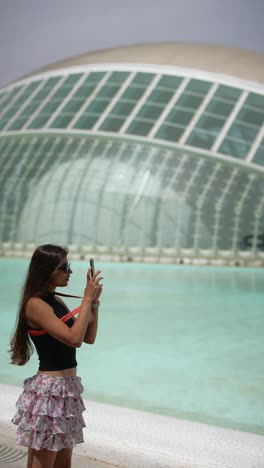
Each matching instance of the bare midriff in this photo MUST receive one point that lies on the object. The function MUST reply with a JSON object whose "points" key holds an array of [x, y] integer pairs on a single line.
{"points": [[65, 373]]}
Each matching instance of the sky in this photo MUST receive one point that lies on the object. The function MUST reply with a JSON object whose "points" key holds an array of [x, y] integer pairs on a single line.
{"points": [[34, 33]]}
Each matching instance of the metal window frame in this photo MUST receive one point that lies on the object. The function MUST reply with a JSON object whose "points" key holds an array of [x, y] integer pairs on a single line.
{"points": [[182, 199], [170, 105], [13, 101], [44, 102], [237, 213], [199, 206], [255, 145], [20, 182], [172, 70], [259, 215], [110, 169], [218, 207], [245, 86], [65, 101], [11, 184], [132, 116], [114, 101], [199, 112], [88, 163], [24, 105], [89, 99], [231, 119]]}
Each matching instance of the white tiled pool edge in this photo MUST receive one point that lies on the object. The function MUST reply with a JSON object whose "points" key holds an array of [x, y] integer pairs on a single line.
{"points": [[130, 439]]}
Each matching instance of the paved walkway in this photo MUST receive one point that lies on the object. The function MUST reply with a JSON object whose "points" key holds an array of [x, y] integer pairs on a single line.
{"points": [[14, 456], [125, 438]]}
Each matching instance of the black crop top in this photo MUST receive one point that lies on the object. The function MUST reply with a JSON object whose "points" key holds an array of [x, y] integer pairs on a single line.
{"points": [[53, 354]]}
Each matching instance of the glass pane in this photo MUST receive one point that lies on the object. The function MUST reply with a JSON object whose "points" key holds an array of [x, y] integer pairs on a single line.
{"points": [[180, 116], [251, 116], [18, 103], [72, 79], [25, 115], [259, 156], [170, 133], [220, 108], [243, 132], [133, 93], [94, 77], [138, 127], [17, 124], [118, 77], [39, 121], [32, 86], [234, 148], [201, 139], [62, 121], [255, 100], [143, 78], [123, 108], [210, 123], [170, 82], [108, 91], [159, 96], [190, 101], [86, 122], [73, 106], [167, 214], [97, 106], [112, 124], [198, 86], [8, 98], [55, 102], [51, 106], [150, 112], [62, 92], [228, 93], [84, 91]]}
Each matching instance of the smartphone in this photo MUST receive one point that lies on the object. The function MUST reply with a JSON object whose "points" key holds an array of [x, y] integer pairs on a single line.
{"points": [[92, 265]]}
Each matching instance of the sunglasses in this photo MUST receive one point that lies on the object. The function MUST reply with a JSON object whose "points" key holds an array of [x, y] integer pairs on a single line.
{"points": [[65, 267]]}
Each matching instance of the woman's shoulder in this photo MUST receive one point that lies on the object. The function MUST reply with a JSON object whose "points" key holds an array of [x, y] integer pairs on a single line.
{"points": [[35, 307], [45, 303], [36, 303]]}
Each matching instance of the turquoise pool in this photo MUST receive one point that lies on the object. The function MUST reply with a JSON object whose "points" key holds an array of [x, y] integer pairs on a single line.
{"points": [[185, 341]]}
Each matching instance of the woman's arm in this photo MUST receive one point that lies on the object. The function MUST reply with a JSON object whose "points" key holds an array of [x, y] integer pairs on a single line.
{"points": [[41, 315], [91, 330]]}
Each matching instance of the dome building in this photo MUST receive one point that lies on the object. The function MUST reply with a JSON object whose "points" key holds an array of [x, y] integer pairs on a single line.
{"points": [[149, 151]]}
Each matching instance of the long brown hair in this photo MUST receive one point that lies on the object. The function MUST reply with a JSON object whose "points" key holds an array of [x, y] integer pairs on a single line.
{"points": [[44, 261]]}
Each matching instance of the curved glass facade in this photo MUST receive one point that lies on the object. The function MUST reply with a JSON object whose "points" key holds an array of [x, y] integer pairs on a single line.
{"points": [[133, 162]]}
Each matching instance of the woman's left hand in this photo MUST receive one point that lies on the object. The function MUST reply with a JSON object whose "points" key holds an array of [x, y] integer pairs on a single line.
{"points": [[98, 293]]}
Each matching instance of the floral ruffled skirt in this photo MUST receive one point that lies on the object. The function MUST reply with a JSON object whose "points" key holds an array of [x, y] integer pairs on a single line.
{"points": [[49, 413]]}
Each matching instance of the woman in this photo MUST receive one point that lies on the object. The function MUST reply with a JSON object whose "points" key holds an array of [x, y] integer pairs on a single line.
{"points": [[49, 411]]}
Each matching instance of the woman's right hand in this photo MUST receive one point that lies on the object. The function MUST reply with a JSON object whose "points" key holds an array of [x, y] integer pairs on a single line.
{"points": [[93, 284]]}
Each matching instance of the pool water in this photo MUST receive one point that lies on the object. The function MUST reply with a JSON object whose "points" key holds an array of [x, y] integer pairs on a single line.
{"points": [[184, 341]]}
